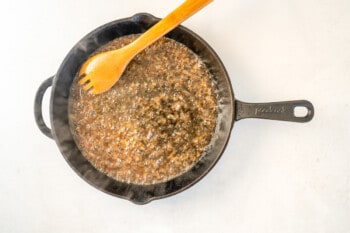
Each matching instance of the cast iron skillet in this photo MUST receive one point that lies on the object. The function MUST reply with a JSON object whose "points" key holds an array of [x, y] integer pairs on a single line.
{"points": [[230, 110]]}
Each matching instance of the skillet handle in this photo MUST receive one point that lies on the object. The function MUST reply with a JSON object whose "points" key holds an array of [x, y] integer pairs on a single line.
{"points": [[38, 107], [282, 111]]}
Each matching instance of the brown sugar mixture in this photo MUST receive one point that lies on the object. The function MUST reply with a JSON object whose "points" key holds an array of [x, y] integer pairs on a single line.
{"points": [[157, 120]]}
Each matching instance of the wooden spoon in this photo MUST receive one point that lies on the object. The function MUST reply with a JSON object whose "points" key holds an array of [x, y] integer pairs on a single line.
{"points": [[101, 71]]}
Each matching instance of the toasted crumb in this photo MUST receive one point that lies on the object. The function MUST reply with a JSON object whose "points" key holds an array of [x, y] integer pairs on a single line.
{"points": [[156, 121]]}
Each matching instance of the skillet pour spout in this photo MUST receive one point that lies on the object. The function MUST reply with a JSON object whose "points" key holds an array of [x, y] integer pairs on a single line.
{"points": [[230, 110]]}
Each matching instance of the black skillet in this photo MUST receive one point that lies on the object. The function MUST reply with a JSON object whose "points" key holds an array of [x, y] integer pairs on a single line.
{"points": [[230, 110]]}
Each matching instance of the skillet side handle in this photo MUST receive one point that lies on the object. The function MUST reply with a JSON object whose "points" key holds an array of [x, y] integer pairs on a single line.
{"points": [[282, 111], [38, 107]]}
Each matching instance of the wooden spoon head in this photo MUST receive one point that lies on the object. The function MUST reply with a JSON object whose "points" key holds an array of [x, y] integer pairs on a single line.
{"points": [[101, 71]]}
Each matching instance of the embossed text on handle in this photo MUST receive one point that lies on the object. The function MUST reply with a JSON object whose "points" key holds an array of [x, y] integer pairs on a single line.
{"points": [[270, 109]]}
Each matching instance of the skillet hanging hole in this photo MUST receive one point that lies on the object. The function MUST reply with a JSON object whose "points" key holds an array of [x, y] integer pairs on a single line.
{"points": [[301, 111]]}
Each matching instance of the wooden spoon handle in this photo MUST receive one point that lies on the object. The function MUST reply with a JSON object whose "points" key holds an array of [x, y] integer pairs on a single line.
{"points": [[176, 17]]}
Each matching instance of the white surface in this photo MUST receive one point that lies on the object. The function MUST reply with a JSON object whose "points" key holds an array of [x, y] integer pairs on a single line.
{"points": [[273, 177]]}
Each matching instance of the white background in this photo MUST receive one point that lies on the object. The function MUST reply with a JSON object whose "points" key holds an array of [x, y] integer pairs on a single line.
{"points": [[273, 177]]}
